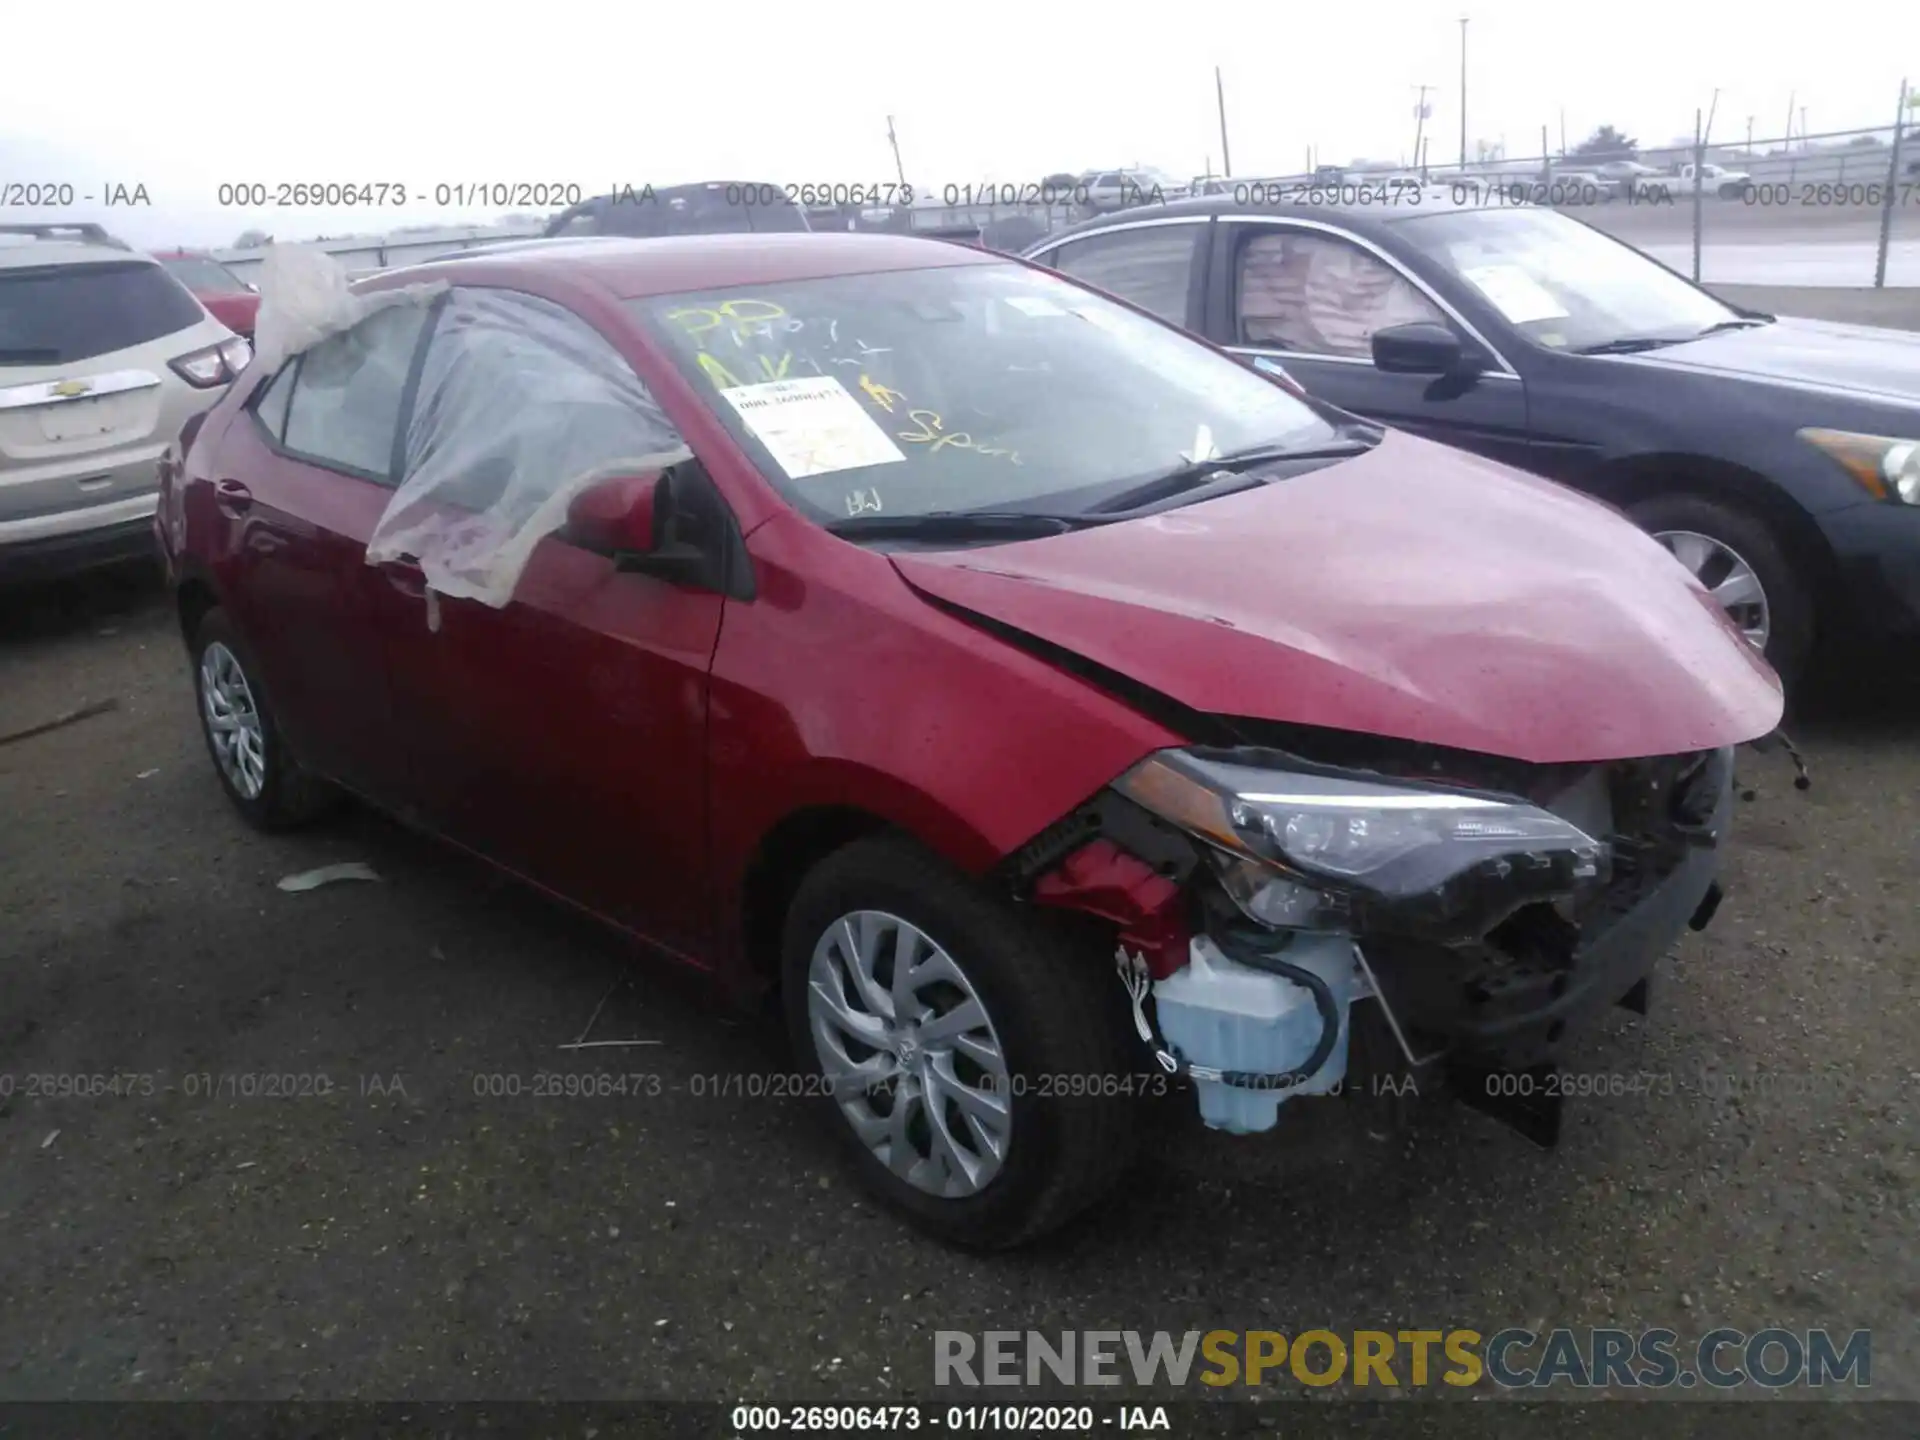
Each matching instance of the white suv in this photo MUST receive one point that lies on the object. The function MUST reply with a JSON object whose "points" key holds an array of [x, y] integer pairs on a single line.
{"points": [[104, 356]]}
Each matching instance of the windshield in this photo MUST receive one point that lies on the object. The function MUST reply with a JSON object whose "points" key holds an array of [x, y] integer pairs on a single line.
{"points": [[1563, 284], [964, 387], [204, 276]]}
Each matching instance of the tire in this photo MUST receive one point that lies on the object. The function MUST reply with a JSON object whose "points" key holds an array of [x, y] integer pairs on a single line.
{"points": [[1789, 596], [286, 796], [1052, 1004]]}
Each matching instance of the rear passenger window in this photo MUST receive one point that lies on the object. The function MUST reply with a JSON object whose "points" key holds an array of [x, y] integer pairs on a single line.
{"points": [[345, 405], [1152, 266]]}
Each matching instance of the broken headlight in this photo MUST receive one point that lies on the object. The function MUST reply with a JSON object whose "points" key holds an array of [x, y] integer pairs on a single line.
{"points": [[1319, 849]]}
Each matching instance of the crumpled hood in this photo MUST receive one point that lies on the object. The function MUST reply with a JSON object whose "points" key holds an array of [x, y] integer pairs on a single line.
{"points": [[1417, 592], [1859, 358]]}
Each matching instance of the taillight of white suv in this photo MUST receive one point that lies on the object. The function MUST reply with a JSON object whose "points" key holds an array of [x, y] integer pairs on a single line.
{"points": [[216, 365]]}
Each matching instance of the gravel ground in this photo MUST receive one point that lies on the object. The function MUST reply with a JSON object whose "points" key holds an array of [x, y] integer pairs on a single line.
{"points": [[403, 1236]]}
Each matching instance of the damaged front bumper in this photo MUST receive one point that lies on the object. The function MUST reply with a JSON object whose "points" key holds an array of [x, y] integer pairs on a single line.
{"points": [[1483, 963]]}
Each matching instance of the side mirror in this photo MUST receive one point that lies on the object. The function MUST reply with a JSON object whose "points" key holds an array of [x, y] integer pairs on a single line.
{"points": [[616, 516], [1423, 347]]}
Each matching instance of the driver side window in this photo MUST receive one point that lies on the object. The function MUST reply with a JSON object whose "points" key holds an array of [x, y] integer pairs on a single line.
{"points": [[1316, 294]]}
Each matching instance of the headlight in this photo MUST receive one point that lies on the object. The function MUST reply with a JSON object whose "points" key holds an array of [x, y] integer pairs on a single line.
{"points": [[1323, 850], [1889, 467]]}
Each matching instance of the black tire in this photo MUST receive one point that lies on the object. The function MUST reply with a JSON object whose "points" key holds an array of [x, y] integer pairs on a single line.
{"points": [[1789, 594], [1053, 1001], [289, 796]]}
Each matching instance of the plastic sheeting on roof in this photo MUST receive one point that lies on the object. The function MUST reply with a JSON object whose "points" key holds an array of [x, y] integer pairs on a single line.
{"points": [[306, 295]]}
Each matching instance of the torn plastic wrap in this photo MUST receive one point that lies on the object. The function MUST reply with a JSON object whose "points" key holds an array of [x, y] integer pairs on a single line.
{"points": [[306, 295], [521, 406]]}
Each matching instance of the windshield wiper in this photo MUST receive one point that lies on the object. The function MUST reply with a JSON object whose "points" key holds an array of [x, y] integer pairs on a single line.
{"points": [[957, 525], [1199, 474], [1632, 344], [1744, 323]]}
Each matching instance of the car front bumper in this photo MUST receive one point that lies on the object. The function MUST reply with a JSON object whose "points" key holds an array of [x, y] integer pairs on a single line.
{"points": [[1495, 1010], [1876, 549]]}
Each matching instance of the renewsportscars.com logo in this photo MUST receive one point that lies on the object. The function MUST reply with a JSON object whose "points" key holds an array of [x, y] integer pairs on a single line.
{"points": [[1514, 1358]]}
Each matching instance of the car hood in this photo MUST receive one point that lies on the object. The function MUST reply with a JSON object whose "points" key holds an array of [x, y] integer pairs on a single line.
{"points": [[1416, 592], [1860, 359]]}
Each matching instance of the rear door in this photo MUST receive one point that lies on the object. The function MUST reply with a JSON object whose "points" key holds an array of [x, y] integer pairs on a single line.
{"points": [[1310, 296], [300, 478], [563, 735]]}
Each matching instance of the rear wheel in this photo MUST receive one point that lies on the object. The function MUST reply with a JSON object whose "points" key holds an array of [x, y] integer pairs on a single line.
{"points": [[1737, 557], [971, 1059], [258, 772]]}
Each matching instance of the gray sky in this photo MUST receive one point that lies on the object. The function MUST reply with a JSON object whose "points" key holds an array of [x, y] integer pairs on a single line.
{"points": [[596, 93]]}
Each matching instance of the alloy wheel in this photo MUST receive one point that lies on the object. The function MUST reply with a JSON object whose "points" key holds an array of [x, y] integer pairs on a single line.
{"points": [[911, 1055], [233, 720], [1728, 578]]}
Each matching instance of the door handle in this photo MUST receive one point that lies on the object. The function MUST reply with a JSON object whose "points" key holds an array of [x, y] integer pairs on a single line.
{"points": [[232, 498]]}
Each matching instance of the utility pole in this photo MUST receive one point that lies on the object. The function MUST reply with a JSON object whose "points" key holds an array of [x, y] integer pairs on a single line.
{"points": [[1563, 132], [1749, 137], [1419, 121], [1712, 106], [899, 170], [1220, 94], [1463, 92], [1791, 97]]}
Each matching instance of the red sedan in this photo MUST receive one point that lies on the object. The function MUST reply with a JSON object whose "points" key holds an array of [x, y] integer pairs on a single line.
{"points": [[228, 298], [1046, 708]]}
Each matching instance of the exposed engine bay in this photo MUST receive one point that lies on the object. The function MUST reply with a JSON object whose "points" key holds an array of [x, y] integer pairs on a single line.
{"points": [[1261, 890]]}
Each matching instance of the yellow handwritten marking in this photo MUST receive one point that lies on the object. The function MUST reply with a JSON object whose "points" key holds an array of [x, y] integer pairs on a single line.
{"points": [[932, 428], [776, 372], [880, 394], [716, 372], [686, 317], [741, 312], [740, 317]]}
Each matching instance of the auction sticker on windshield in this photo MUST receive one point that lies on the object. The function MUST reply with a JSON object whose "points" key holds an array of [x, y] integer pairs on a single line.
{"points": [[1514, 293], [812, 426]]}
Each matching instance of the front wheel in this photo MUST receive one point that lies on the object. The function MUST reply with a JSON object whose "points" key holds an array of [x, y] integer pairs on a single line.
{"points": [[1744, 567], [971, 1059]]}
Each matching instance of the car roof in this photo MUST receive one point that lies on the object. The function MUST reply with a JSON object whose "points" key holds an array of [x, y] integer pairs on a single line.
{"points": [[1434, 200], [664, 265], [23, 246]]}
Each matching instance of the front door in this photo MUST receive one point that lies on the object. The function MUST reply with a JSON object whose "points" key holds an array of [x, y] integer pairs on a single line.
{"points": [[1310, 298], [562, 733]]}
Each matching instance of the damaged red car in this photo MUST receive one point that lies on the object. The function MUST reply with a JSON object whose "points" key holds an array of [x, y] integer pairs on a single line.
{"points": [[1047, 709]]}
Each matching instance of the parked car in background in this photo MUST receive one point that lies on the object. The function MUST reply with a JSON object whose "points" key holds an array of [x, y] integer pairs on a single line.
{"points": [[1627, 173], [713, 207], [1710, 179], [1579, 187], [1109, 190], [1012, 686], [1778, 459], [229, 299], [104, 357]]}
